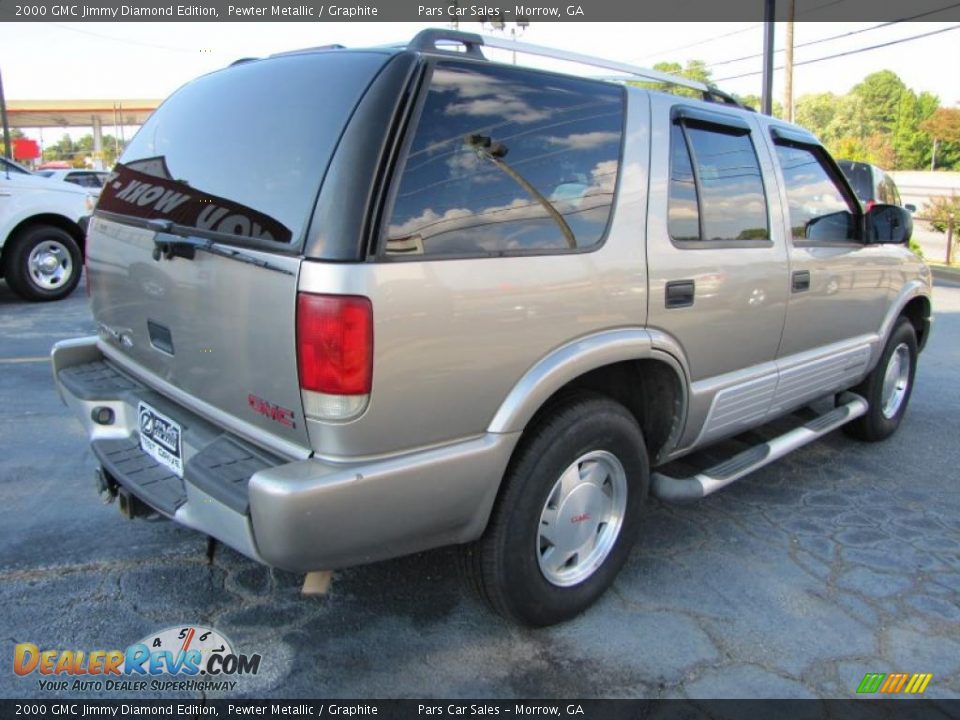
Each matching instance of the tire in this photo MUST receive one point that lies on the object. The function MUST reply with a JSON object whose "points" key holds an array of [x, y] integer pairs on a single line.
{"points": [[43, 263], [887, 405], [518, 565]]}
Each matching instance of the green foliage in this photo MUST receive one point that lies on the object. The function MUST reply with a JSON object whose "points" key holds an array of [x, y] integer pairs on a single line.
{"points": [[77, 151], [939, 210], [756, 102], [15, 134], [943, 128], [943, 124], [879, 121], [695, 70]]}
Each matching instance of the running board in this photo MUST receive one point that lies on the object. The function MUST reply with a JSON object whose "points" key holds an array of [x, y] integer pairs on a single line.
{"points": [[681, 490]]}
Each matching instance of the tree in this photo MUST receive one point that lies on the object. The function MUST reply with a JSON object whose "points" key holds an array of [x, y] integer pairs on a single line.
{"points": [[695, 70], [815, 112], [943, 124], [943, 129], [76, 152], [15, 134], [881, 94]]}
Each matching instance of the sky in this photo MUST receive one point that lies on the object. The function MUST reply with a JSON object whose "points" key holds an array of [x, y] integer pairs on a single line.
{"points": [[150, 60]]}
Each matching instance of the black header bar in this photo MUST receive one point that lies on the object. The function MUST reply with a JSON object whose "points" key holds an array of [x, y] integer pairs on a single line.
{"points": [[445, 11]]}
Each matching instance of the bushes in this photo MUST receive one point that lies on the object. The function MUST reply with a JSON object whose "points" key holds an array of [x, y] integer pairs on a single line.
{"points": [[938, 211]]}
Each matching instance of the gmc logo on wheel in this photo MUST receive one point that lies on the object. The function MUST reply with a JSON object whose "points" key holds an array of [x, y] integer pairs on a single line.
{"points": [[274, 412]]}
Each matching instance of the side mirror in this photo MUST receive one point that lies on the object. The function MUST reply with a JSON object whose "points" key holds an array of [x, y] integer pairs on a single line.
{"points": [[910, 208], [889, 224]]}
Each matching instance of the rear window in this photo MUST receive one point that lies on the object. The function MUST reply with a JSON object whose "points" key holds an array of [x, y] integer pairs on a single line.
{"points": [[239, 155], [859, 177]]}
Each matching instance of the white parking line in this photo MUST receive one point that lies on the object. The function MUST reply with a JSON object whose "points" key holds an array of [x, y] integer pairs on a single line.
{"points": [[17, 361]]}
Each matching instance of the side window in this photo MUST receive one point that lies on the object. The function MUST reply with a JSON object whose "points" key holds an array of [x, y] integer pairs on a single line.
{"points": [[893, 195], [819, 210], [883, 188], [506, 161], [716, 188]]}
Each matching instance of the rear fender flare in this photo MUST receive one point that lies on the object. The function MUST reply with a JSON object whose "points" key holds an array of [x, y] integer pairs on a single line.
{"points": [[570, 361]]}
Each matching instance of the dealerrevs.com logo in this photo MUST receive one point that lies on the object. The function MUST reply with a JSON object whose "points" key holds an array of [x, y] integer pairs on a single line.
{"points": [[179, 658]]}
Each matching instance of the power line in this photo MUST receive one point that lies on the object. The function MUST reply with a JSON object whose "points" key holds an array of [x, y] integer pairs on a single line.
{"points": [[848, 52], [841, 35], [660, 53], [114, 38]]}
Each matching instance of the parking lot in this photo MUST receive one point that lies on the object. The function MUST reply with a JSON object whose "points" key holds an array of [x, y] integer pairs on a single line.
{"points": [[840, 560]]}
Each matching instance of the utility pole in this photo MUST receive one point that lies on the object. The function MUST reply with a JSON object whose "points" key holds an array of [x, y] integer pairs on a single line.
{"points": [[766, 99], [521, 24], [788, 64], [7, 145]]}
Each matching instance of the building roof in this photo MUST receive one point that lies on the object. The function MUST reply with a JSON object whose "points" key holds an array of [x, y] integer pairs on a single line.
{"points": [[78, 113]]}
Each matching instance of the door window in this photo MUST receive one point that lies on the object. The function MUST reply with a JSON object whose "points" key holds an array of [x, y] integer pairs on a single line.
{"points": [[819, 210], [716, 188]]}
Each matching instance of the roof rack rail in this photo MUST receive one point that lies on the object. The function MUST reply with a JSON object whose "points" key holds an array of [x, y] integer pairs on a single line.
{"points": [[428, 41]]}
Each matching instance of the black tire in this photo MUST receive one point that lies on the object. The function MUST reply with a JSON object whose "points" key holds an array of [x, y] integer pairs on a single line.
{"points": [[505, 563], [53, 285], [876, 424]]}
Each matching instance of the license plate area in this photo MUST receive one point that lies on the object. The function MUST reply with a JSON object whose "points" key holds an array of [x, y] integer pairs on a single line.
{"points": [[161, 438]]}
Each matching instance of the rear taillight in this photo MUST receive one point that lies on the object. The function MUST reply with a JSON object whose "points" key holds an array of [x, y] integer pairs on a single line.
{"points": [[334, 354], [869, 205]]}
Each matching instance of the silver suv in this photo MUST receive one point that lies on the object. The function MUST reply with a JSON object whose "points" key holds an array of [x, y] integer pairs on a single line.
{"points": [[354, 304]]}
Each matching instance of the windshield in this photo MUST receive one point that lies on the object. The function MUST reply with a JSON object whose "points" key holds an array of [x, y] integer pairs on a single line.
{"points": [[240, 154], [859, 177]]}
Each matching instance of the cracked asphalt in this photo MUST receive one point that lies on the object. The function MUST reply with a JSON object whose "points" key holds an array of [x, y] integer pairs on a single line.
{"points": [[839, 560]]}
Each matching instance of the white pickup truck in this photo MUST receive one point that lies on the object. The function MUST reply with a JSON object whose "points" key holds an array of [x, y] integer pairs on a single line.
{"points": [[41, 238]]}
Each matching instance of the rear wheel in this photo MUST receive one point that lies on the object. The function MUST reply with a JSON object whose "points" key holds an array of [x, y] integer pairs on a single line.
{"points": [[888, 387], [567, 514], [43, 263]]}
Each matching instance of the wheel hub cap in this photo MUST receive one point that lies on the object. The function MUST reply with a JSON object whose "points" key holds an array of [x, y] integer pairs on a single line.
{"points": [[896, 378], [50, 265], [581, 518]]}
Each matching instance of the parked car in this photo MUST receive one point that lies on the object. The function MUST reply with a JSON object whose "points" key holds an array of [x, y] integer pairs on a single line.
{"points": [[10, 166], [93, 180], [872, 185], [479, 304], [41, 240]]}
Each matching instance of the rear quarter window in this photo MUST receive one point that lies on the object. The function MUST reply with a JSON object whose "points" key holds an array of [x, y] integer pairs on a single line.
{"points": [[507, 161]]}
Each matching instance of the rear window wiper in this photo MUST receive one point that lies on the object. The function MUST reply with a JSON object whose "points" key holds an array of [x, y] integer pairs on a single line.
{"points": [[186, 247]]}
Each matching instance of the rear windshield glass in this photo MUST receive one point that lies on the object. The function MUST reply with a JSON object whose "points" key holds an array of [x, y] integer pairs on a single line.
{"points": [[239, 155], [859, 177]]}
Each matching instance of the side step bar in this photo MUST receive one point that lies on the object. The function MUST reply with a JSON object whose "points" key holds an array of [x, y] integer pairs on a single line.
{"points": [[681, 490]]}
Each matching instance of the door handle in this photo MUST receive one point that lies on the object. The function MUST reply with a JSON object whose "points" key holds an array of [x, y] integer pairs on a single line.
{"points": [[801, 281], [679, 293]]}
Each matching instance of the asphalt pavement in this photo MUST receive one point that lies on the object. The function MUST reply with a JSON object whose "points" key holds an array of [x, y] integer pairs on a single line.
{"points": [[840, 560]]}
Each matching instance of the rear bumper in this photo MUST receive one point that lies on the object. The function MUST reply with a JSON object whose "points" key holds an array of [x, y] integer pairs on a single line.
{"points": [[300, 515]]}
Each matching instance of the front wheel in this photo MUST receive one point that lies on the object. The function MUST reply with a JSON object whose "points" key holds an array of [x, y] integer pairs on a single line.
{"points": [[44, 263], [888, 387], [567, 515]]}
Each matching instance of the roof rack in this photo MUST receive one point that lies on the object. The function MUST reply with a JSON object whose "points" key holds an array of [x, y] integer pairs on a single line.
{"points": [[429, 41]]}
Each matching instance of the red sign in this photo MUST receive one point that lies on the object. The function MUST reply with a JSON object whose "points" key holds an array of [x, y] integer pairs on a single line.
{"points": [[25, 149]]}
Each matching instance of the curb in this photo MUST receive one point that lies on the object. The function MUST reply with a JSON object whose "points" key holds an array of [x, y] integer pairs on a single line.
{"points": [[945, 273]]}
